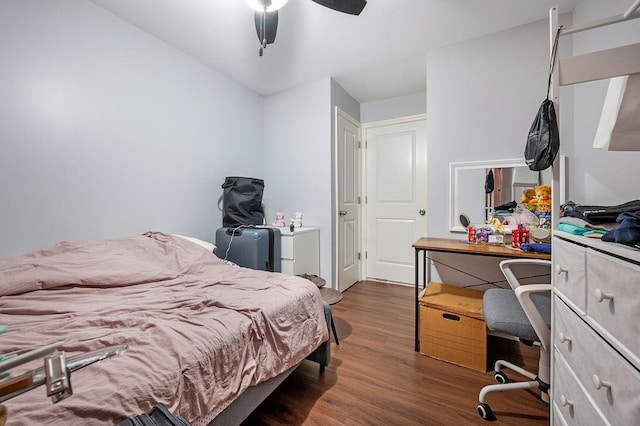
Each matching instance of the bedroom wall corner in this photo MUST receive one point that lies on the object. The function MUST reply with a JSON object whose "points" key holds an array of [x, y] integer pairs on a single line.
{"points": [[297, 160]]}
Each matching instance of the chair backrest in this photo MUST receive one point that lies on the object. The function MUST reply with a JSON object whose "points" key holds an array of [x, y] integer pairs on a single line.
{"points": [[524, 292], [505, 266]]}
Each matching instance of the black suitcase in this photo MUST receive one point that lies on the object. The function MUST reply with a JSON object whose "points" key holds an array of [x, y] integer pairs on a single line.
{"points": [[251, 247], [158, 416]]}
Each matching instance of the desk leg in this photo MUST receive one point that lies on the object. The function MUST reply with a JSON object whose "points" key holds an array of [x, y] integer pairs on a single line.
{"points": [[417, 269], [425, 274]]}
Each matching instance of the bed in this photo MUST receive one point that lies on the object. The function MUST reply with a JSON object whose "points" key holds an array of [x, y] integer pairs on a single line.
{"points": [[200, 332]]}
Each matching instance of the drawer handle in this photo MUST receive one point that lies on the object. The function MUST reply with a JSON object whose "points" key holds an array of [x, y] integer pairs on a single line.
{"points": [[561, 270], [451, 317], [564, 338], [599, 383], [566, 402], [601, 295]]}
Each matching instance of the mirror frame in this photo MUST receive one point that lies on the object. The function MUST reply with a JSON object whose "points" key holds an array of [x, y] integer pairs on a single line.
{"points": [[454, 178]]}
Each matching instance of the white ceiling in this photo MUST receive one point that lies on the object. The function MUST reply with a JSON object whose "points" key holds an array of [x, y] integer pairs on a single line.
{"points": [[377, 55]]}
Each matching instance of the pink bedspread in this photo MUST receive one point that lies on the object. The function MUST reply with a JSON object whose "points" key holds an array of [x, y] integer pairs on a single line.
{"points": [[199, 331]]}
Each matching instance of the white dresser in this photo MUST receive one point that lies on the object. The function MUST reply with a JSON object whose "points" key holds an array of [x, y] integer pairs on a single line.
{"points": [[596, 332], [300, 251]]}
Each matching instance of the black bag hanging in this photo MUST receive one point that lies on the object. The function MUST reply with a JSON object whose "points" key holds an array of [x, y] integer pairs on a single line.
{"points": [[242, 201], [543, 141], [488, 183]]}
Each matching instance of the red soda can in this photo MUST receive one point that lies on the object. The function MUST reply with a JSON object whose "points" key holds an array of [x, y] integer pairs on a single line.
{"points": [[515, 238]]}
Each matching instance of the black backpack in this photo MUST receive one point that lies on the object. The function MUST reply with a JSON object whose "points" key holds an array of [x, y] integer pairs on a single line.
{"points": [[242, 201], [543, 140]]}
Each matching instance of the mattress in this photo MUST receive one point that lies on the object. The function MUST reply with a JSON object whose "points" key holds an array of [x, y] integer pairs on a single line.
{"points": [[199, 331]]}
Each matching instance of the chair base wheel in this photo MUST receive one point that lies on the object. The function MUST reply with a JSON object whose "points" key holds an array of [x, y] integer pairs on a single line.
{"points": [[485, 411], [501, 377]]}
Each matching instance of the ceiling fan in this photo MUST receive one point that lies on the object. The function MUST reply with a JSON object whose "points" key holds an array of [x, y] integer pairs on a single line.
{"points": [[266, 15]]}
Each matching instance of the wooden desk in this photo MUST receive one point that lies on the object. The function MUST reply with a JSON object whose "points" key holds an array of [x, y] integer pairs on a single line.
{"points": [[446, 245]]}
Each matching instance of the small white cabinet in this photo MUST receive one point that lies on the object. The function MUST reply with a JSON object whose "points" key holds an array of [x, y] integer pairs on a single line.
{"points": [[300, 251], [596, 357]]}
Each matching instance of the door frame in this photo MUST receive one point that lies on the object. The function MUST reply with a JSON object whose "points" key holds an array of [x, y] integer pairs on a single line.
{"points": [[364, 211], [336, 201]]}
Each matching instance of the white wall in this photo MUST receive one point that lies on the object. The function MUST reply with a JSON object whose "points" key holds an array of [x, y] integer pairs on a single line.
{"points": [[297, 160], [482, 97], [106, 131], [600, 177], [387, 109]]}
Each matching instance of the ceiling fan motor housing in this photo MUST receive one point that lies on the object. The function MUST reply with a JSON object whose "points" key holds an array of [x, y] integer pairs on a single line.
{"points": [[266, 15]]}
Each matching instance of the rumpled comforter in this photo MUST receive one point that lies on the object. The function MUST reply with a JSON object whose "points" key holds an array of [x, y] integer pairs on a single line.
{"points": [[199, 331]]}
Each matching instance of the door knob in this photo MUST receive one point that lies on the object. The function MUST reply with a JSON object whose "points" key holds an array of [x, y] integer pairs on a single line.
{"points": [[342, 212], [422, 212]]}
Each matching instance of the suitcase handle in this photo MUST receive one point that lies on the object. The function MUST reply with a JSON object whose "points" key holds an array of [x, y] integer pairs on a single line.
{"points": [[236, 232]]}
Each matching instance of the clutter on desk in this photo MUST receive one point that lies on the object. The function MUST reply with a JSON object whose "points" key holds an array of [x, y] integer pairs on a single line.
{"points": [[537, 247], [517, 224], [515, 228], [520, 236]]}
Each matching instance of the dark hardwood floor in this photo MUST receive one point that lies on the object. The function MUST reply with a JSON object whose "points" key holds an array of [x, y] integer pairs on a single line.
{"points": [[376, 378]]}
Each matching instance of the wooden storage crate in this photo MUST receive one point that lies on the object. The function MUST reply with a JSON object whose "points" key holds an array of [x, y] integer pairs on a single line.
{"points": [[452, 326]]}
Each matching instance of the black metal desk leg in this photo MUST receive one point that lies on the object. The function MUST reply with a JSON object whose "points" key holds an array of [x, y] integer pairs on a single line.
{"points": [[424, 269], [417, 269]]}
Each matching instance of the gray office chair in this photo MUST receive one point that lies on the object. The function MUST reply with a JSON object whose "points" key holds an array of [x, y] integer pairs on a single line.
{"points": [[524, 311]]}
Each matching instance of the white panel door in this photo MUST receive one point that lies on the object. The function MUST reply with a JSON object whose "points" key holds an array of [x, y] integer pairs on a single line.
{"points": [[396, 205], [348, 206]]}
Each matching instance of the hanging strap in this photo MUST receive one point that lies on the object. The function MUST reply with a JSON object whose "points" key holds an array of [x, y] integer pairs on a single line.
{"points": [[553, 59]]}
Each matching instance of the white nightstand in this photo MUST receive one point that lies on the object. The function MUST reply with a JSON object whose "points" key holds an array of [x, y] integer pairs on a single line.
{"points": [[300, 251]]}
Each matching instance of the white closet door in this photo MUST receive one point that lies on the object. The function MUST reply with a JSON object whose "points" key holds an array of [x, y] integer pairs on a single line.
{"points": [[396, 198]]}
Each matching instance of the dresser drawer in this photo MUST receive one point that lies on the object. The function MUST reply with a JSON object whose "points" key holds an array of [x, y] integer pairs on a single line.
{"points": [[612, 298], [557, 419], [569, 262], [569, 399], [608, 378]]}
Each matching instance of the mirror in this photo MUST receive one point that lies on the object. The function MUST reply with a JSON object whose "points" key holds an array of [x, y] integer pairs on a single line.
{"points": [[467, 187]]}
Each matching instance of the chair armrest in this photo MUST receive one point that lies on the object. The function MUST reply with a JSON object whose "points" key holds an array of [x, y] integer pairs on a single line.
{"points": [[523, 293]]}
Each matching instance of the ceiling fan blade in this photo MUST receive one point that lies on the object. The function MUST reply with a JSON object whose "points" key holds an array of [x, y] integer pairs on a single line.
{"points": [[352, 7], [271, 21]]}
